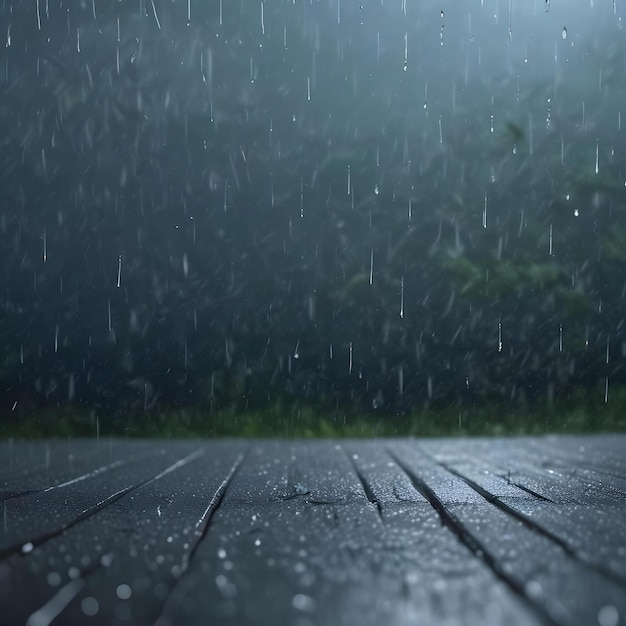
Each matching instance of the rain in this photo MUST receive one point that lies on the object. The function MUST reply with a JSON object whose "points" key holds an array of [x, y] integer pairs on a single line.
{"points": [[375, 207]]}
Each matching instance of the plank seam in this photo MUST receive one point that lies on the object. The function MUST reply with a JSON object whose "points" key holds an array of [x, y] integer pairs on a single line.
{"points": [[474, 545], [367, 488], [209, 512], [528, 490], [533, 526], [18, 549], [204, 522]]}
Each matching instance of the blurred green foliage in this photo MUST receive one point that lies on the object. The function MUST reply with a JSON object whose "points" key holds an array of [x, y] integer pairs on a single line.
{"points": [[491, 278], [578, 411], [615, 244]]}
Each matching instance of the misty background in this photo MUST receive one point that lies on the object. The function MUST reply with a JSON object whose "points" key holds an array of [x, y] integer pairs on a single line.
{"points": [[379, 203]]}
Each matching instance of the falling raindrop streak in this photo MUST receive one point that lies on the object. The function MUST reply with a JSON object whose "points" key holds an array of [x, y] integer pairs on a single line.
{"points": [[441, 30], [406, 50], [262, 20], [156, 17], [550, 238], [485, 213], [350, 359]]}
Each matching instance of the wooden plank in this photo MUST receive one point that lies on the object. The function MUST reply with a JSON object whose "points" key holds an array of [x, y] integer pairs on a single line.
{"points": [[36, 465], [136, 545], [297, 539], [572, 500], [603, 453], [563, 473], [314, 532], [521, 553], [40, 515]]}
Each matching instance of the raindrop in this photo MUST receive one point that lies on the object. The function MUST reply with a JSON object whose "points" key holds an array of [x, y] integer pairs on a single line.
{"points": [[534, 590], [123, 591], [304, 603], [550, 241], [300, 489], [485, 213], [89, 606], [227, 588], [564, 33], [608, 616]]}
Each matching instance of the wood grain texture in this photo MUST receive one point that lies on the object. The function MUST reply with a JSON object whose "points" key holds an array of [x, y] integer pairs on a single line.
{"points": [[471, 531]]}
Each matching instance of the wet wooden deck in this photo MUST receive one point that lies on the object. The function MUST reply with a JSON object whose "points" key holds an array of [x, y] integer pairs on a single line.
{"points": [[395, 532]]}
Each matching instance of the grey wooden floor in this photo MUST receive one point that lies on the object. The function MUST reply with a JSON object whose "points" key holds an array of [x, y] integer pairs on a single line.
{"points": [[394, 532]]}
